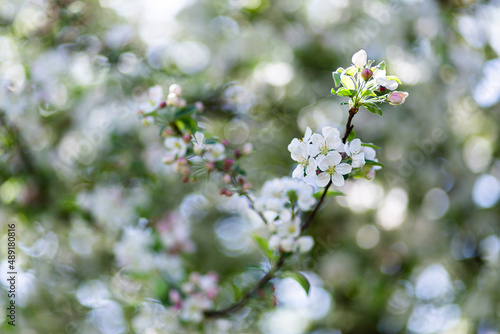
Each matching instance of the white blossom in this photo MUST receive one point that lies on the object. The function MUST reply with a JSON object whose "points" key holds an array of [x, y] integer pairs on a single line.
{"points": [[198, 142], [354, 150], [304, 244], [381, 80], [176, 146], [322, 144], [305, 162], [155, 95], [332, 170], [214, 152]]}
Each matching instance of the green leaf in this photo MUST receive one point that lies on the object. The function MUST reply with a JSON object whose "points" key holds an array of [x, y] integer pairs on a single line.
{"points": [[348, 82], [393, 77], [373, 108], [381, 65], [333, 91], [264, 246], [187, 122], [345, 92], [185, 111], [351, 70], [299, 278], [336, 78], [373, 163], [368, 93], [351, 136], [371, 145], [330, 193]]}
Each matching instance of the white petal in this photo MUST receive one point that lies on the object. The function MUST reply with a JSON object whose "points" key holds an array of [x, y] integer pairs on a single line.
{"points": [[330, 131], [343, 168], [333, 142], [359, 58], [293, 145], [155, 93], [287, 244], [313, 150], [358, 160], [307, 135], [335, 158], [311, 167], [370, 153], [317, 140], [322, 179], [326, 162], [274, 242], [355, 146], [298, 173], [338, 180], [304, 244]]}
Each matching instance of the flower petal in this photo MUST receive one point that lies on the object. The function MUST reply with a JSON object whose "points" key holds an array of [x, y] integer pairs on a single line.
{"points": [[298, 172], [343, 168], [338, 180], [359, 58], [335, 158], [322, 179], [355, 146]]}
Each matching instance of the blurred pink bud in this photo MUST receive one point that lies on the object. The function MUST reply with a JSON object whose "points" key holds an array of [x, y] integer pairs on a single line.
{"points": [[226, 192], [225, 143], [247, 149], [163, 104], [175, 89], [228, 163], [237, 154], [167, 132], [209, 166], [247, 186], [396, 98], [182, 103], [186, 139], [199, 106], [226, 178], [366, 74]]}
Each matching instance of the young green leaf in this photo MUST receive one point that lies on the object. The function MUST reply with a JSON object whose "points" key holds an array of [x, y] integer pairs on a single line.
{"points": [[336, 78], [299, 278], [344, 92], [264, 246], [393, 77], [318, 194], [371, 145], [373, 108], [373, 163]]}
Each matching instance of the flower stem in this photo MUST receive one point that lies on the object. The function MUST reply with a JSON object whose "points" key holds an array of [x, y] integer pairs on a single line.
{"points": [[349, 126]]}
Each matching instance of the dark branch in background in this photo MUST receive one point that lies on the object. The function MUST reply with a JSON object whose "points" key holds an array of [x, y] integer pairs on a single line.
{"points": [[250, 293], [19, 148], [281, 261]]}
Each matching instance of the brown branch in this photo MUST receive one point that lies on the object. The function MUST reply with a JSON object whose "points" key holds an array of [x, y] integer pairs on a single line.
{"points": [[349, 126]]}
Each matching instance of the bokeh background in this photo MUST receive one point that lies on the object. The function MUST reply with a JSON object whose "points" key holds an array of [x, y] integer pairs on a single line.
{"points": [[414, 251]]}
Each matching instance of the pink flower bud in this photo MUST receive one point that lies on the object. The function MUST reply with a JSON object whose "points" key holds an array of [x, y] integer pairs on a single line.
{"points": [[199, 106], [247, 186], [226, 178], [209, 166], [225, 143], [247, 149], [228, 163], [396, 98], [382, 89], [163, 104], [186, 139], [237, 154], [175, 89], [366, 74]]}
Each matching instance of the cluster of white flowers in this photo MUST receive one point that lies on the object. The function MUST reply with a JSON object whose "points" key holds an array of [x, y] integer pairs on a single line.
{"points": [[208, 152], [286, 236], [323, 158], [280, 201]]}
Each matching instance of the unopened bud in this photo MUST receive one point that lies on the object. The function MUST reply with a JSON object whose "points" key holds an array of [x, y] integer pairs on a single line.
{"points": [[226, 192], [182, 103], [186, 139], [163, 104], [199, 106], [237, 154], [167, 132], [247, 186], [168, 159], [366, 74], [396, 98], [247, 149], [209, 166], [175, 89], [226, 178], [228, 164]]}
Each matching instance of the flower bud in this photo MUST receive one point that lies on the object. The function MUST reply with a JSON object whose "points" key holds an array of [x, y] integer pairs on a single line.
{"points": [[226, 178], [359, 58], [228, 163], [396, 98], [168, 159], [247, 186], [237, 154], [199, 106], [167, 132], [175, 89], [182, 103], [226, 192], [173, 100], [225, 143], [186, 139], [247, 149], [209, 166], [366, 74], [163, 104]]}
